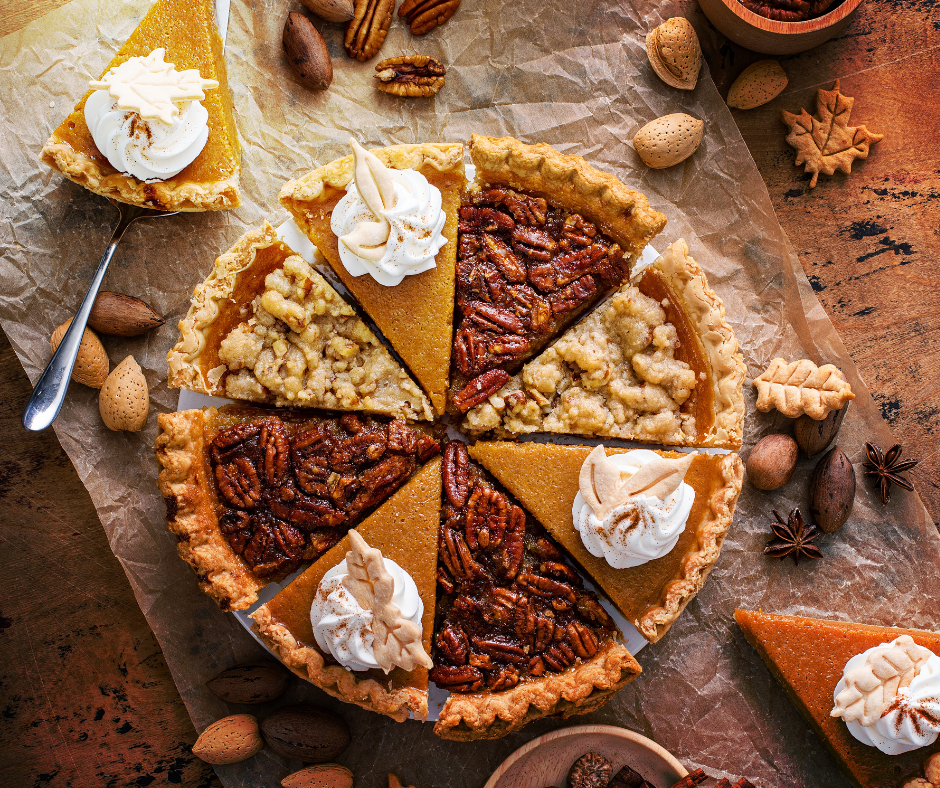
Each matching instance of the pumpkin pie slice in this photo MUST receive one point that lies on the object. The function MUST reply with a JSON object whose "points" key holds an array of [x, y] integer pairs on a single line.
{"points": [[808, 657], [252, 494], [658, 362], [186, 30], [404, 529], [416, 315], [544, 479], [266, 327]]}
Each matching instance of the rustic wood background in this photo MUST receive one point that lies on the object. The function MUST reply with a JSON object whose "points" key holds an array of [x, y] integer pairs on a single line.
{"points": [[87, 699]]}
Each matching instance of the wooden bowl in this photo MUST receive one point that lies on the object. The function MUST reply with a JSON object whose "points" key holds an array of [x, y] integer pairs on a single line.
{"points": [[754, 32], [547, 760]]}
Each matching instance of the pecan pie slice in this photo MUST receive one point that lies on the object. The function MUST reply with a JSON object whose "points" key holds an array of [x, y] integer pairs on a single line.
{"points": [[543, 237], [252, 494], [517, 636]]}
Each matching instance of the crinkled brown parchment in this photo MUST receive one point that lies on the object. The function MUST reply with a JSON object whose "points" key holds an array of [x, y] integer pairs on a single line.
{"points": [[571, 74]]}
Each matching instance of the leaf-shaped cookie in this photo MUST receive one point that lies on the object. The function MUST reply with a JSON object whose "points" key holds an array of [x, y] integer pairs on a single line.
{"points": [[825, 142], [801, 387]]}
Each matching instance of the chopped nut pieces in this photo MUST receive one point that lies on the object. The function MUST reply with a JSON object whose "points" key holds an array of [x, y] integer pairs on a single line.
{"points": [[423, 16], [886, 468], [591, 770], [793, 537], [787, 10], [410, 75], [691, 779], [366, 31], [801, 387]]}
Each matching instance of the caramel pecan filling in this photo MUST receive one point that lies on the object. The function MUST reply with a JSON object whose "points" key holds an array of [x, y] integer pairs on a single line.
{"points": [[510, 606], [288, 493], [525, 269]]}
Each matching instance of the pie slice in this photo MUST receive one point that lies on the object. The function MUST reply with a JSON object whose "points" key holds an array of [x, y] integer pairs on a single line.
{"points": [[252, 494], [808, 656], [186, 30], [405, 530], [658, 363], [518, 637], [416, 316], [544, 479], [266, 327], [543, 238]]}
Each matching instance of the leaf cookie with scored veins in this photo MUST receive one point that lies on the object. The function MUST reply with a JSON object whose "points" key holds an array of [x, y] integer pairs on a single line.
{"points": [[801, 387]]}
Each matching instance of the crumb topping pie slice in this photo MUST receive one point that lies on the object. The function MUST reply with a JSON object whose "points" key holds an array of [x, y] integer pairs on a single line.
{"points": [[266, 327]]}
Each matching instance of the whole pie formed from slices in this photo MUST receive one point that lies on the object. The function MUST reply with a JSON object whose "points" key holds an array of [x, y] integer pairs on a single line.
{"points": [[518, 637], [808, 657], [186, 30], [658, 362], [544, 479], [266, 327], [405, 530], [416, 315], [251, 494]]}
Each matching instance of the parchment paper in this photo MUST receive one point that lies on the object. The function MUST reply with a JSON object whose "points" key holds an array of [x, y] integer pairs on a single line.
{"points": [[574, 75]]}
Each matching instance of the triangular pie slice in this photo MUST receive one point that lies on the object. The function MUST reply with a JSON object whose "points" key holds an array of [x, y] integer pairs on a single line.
{"points": [[416, 316], [251, 494], [404, 529], [544, 479], [518, 636], [544, 237], [186, 30], [266, 327], [808, 657], [658, 362]]}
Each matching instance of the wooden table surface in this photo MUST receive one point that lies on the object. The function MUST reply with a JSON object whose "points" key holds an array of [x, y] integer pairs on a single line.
{"points": [[87, 697]]}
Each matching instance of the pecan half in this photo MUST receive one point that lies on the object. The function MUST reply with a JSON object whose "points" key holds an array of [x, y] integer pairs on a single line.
{"points": [[274, 443], [562, 595], [455, 472], [239, 483], [503, 678], [510, 559], [500, 651], [500, 255], [410, 75], [456, 556], [479, 389], [366, 31], [311, 451], [493, 318], [423, 16], [487, 518], [464, 678], [582, 640], [453, 644], [573, 296]]}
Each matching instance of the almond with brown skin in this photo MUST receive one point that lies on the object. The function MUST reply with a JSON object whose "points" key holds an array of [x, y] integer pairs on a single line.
{"points": [[771, 462], [814, 435], [331, 10], [305, 732], [832, 490], [229, 740], [122, 315], [250, 684], [324, 775], [306, 52]]}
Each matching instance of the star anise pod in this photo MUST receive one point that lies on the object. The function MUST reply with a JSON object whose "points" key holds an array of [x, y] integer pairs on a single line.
{"points": [[886, 469], [793, 537]]}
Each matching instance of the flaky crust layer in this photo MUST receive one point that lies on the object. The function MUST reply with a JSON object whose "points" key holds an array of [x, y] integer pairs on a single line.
{"points": [[164, 196], [655, 622], [308, 663], [190, 513], [570, 182], [581, 689]]}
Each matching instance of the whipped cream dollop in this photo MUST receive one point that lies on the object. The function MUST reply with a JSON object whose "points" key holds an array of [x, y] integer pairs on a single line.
{"points": [[389, 223], [343, 628], [631, 508], [147, 118], [889, 696]]}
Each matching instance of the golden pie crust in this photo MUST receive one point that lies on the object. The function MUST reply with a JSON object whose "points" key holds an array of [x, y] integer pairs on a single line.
{"points": [[416, 315], [186, 29], [544, 479], [404, 528], [325, 358]]}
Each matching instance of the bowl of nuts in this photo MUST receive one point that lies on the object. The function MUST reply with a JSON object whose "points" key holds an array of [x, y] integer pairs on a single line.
{"points": [[779, 27]]}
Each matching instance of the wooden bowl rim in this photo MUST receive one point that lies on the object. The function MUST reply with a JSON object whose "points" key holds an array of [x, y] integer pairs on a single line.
{"points": [[791, 28], [578, 730]]}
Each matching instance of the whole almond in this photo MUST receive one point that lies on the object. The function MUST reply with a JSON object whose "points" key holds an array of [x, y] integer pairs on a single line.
{"points": [[331, 10], [306, 733], [771, 462], [124, 400], [306, 52], [229, 740], [675, 53], [758, 84], [832, 490], [668, 140], [91, 365], [122, 315], [814, 435], [250, 684], [324, 775]]}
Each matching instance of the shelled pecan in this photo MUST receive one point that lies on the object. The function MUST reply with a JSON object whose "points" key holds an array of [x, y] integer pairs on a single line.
{"points": [[366, 31], [410, 75], [423, 16]]}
